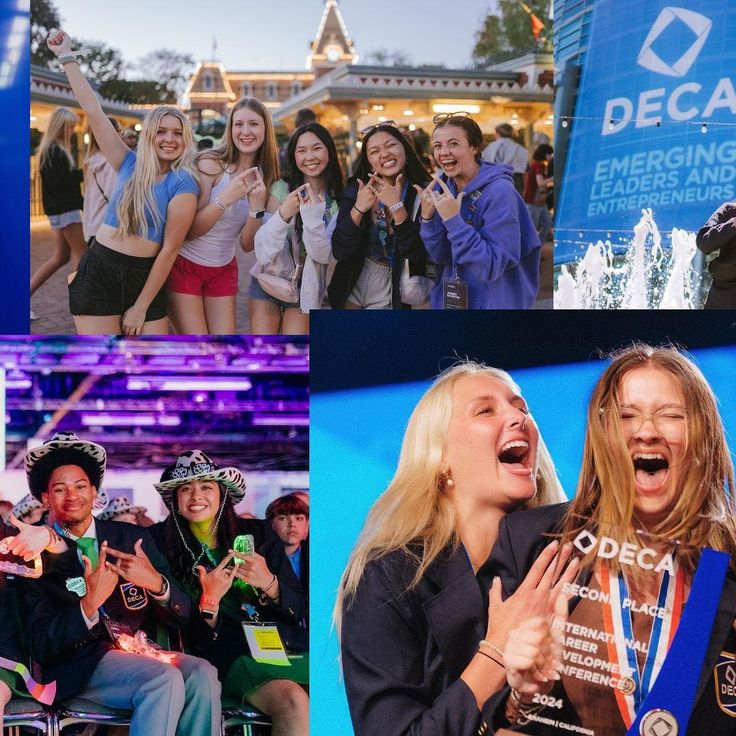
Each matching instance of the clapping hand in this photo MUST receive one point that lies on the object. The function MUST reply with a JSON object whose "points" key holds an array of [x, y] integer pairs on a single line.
{"points": [[533, 652]]}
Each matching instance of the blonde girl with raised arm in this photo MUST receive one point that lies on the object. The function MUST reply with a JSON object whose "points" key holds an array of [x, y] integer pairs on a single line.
{"points": [[118, 287]]}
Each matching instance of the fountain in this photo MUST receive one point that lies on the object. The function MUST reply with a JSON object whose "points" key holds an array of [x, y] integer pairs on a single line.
{"points": [[645, 276]]}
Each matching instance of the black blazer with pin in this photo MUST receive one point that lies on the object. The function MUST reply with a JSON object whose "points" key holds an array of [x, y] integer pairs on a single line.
{"points": [[57, 633], [521, 537], [403, 651]]}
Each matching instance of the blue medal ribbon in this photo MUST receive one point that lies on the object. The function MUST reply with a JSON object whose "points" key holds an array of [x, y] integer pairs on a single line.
{"points": [[677, 683]]}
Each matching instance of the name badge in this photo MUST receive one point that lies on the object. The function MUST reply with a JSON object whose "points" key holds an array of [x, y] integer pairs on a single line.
{"points": [[134, 596], [455, 294], [77, 585], [265, 644]]}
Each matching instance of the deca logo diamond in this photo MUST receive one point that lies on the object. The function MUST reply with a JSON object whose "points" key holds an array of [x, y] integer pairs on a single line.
{"points": [[698, 24]]}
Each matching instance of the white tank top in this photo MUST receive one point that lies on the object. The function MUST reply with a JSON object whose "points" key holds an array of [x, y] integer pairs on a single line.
{"points": [[217, 246]]}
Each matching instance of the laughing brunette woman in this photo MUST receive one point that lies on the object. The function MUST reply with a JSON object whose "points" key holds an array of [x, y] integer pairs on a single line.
{"points": [[377, 230], [420, 642], [476, 226], [118, 287]]}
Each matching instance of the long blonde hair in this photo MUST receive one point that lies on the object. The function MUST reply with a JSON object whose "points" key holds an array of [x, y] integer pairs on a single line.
{"points": [[137, 197], [414, 513], [56, 134], [704, 512], [92, 146], [267, 158]]}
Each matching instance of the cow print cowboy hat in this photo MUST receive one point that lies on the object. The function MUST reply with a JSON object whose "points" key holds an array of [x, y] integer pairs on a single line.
{"points": [[61, 449], [195, 465]]}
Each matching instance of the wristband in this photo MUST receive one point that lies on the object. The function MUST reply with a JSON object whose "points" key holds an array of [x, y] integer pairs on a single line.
{"points": [[53, 539], [396, 207], [424, 220], [485, 654], [67, 58], [164, 588], [361, 211], [490, 645], [219, 203]]}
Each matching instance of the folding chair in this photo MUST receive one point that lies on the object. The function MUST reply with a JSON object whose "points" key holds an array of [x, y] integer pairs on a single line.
{"points": [[79, 710], [25, 712], [250, 719]]}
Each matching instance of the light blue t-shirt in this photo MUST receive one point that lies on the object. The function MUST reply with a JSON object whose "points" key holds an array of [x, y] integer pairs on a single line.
{"points": [[175, 182]]}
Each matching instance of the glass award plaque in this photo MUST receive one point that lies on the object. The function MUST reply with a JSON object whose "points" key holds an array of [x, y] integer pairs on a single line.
{"points": [[640, 614]]}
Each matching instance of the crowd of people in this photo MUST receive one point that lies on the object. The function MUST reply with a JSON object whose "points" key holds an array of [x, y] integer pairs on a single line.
{"points": [[114, 590], [457, 611], [162, 221]]}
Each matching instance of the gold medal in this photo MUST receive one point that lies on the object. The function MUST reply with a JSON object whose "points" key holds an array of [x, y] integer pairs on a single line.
{"points": [[626, 685]]}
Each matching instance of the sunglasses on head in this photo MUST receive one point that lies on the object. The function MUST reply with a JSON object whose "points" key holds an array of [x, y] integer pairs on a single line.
{"points": [[443, 117], [378, 126]]}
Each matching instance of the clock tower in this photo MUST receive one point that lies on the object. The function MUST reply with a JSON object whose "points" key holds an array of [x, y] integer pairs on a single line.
{"points": [[332, 47]]}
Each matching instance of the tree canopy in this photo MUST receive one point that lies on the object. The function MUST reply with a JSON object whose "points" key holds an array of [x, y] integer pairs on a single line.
{"points": [[510, 31]]}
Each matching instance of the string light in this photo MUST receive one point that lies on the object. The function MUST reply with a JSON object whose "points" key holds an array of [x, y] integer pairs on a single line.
{"points": [[565, 121]]}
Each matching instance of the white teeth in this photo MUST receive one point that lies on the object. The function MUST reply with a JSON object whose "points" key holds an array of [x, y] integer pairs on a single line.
{"points": [[197, 508], [515, 443], [648, 456]]}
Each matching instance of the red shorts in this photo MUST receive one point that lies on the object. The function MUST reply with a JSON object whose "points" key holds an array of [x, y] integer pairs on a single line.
{"points": [[187, 277]]}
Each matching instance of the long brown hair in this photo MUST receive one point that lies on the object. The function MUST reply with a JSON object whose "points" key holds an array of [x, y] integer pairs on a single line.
{"points": [[704, 513], [267, 158]]}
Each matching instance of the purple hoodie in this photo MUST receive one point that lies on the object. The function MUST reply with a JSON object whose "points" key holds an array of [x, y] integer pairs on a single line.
{"points": [[498, 255]]}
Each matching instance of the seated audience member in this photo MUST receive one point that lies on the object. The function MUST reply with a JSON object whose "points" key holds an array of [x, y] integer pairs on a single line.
{"points": [[289, 518], [237, 593], [21, 541], [111, 585]]}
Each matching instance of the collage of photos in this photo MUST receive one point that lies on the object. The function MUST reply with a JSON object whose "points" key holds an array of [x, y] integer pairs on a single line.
{"points": [[368, 368]]}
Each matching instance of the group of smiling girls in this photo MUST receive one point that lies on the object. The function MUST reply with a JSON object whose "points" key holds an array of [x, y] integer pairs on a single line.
{"points": [[393, 237]]}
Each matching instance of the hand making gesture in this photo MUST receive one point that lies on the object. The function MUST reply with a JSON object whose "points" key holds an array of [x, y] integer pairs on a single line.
{"points": [[100, 582], [290, 206], [136, 568], [30, 541], [216, 583], [446, 204], [256, 191], [425, 195]]}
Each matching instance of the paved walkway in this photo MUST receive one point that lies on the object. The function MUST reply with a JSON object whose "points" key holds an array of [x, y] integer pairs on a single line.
{"points": [[51, 301]]}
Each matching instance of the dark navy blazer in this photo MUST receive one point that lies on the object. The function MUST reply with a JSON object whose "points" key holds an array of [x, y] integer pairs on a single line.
{"points": [[404, 651], [57, 633], [522, 536]]}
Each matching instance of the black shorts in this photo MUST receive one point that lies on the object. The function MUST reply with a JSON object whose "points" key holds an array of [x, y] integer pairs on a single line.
{"points": [[108, 283]]}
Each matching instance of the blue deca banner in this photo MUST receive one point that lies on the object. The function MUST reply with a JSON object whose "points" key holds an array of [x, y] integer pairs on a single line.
{"points": [[654, 121]]}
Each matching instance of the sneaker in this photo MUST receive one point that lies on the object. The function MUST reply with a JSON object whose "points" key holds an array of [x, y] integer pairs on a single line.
{"points": [[33, 315]]}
